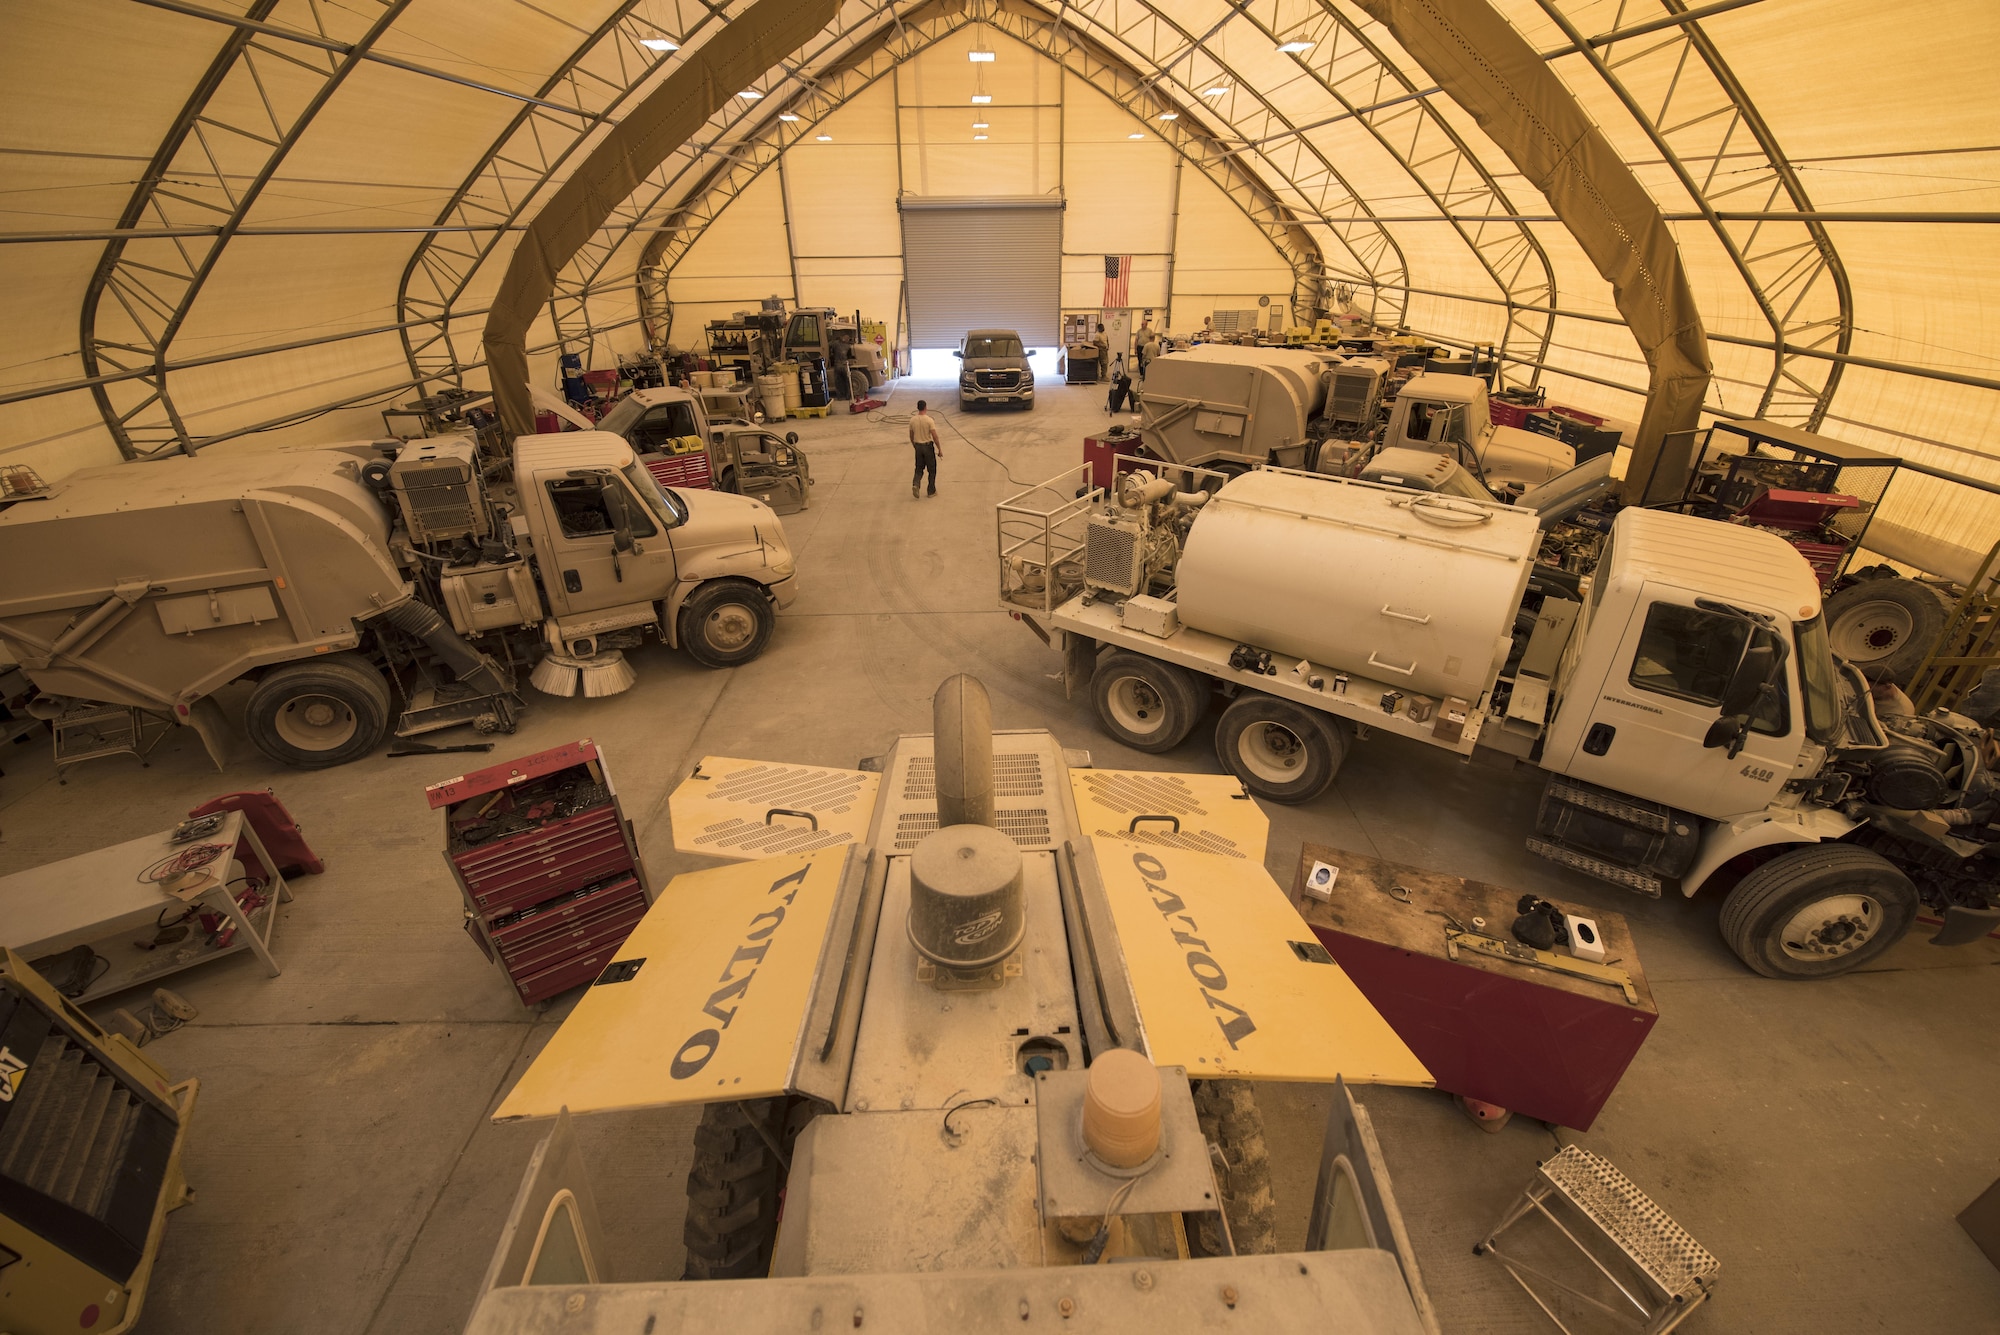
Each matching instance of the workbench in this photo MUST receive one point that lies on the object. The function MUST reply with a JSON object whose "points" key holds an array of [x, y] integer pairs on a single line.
{"points": [[1547, 1045], [98, 900]]}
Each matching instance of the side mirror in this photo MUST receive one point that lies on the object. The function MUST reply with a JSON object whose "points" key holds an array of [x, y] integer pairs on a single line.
{"points": [[959, 355], [1757, 672], [621, 517], [791, 438]]}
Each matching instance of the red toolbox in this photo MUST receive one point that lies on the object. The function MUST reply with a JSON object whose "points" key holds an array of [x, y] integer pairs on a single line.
{"points": [[1101, 453], [547, 863]]}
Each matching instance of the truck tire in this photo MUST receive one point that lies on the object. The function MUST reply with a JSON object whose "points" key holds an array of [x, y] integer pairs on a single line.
{"points": [[726, 623], [318, 714], [1148, 705], [1234, 1128], [1281, 751], [735, 1186], [1818, 911], [727, 480], [1886, 627]]}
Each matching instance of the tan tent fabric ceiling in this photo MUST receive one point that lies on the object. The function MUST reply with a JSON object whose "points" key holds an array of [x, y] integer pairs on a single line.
{"points": [[236, 225]]}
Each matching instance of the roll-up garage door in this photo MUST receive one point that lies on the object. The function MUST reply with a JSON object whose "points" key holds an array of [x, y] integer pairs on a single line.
{"points": [[982, 264]]}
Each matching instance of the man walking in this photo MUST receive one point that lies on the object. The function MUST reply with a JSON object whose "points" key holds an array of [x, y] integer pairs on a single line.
{"points": [[924, 439]]}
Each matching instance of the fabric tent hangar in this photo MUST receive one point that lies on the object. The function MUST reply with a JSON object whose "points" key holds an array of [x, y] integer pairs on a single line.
{"points": [[242, 226]]}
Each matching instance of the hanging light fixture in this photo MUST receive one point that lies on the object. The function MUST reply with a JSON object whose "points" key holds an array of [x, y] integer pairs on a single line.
{"points": [[824, 138], [659, 44], [786, 116], [1135, 136], [978, 136], [750, 93], [1217, 91], [1170, 115], [1294, 48]]}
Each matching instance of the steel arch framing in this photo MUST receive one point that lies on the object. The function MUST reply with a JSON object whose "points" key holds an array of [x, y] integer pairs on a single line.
{"points": [[154, 282], [1789, 266]]}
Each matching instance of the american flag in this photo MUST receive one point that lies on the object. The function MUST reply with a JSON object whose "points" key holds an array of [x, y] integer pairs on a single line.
{"points": [[1117, 280]]}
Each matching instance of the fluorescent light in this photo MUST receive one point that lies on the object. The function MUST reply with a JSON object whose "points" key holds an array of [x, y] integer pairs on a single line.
{"points": [[750, 93], [1170, 115], [786, 116], [659, 44], [980, 57], [982, 98], [1135, 136], [978, 136], [1216, 91], [981, 125], [1294, 48], [824, 138]]}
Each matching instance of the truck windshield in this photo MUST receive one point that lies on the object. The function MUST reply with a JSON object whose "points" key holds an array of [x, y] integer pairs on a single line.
{"points": [[658, 499], [1006, 345], [622, 415], [1816, 678]]}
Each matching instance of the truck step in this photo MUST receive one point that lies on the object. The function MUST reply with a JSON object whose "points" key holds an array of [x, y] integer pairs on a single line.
{"points": [[1649, 816], [1646, 883]]}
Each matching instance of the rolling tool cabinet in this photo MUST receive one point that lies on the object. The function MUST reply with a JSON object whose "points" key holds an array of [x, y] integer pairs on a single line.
{"points": [[547, 863]]}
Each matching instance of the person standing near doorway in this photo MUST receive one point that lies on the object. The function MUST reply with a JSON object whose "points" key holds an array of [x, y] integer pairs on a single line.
{"points": [[924, 440]]}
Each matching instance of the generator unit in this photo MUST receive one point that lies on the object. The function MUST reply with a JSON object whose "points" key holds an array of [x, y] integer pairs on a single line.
{"points": [[437, 485], [1114, 553], [91, 1137], [1354, 392]]}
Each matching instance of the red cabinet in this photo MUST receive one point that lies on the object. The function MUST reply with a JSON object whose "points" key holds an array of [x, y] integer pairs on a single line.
{"points": [[547, 863]]}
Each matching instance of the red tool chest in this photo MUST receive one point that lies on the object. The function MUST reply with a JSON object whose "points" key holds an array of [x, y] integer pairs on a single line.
{"points": [[547, 863], [687, 470]]}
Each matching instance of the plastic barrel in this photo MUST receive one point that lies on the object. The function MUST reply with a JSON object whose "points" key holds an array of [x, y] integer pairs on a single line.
{"points": [[771, 389]]}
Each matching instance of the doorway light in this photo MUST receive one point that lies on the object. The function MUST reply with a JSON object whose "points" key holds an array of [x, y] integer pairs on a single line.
{"points": [[1294, 48], [659, 44]]}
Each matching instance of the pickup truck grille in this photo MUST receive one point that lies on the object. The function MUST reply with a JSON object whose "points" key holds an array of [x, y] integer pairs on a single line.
{"points": [[997, 379]]}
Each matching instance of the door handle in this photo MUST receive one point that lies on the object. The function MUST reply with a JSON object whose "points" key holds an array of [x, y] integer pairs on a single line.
{"points": [[1598, 740], [572, 581]]}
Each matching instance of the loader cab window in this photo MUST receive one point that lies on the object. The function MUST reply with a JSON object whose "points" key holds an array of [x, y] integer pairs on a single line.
{"points": [[582, 513], [1689, 654], [1419, 427], [804, 332]]}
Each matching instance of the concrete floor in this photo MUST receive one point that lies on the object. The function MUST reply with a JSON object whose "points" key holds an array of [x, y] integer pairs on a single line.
{"points": [[1819, 1138]]}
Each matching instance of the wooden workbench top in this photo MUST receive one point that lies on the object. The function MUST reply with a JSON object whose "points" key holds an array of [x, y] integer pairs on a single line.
{"points": [[1363, 906]]}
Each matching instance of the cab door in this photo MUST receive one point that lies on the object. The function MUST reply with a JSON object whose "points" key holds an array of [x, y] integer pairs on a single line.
{"points": [[1663, 688], [582, 569]]}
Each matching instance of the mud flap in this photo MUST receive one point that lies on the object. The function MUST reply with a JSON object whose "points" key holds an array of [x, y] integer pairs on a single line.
{"points": [[1228, 979], [552, 1235], [713, 994], [1353, 1203], [217, 735], [1963, 926], [1079, 661]]}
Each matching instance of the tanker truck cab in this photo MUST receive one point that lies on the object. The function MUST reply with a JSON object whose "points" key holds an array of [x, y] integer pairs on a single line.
{"points": [[1448, 414], [615, 549], [1698, 675]]}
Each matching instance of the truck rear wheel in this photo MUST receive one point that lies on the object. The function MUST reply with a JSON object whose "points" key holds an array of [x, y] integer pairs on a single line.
{"points": [[1148, 705], [726, 623], [1885, 627], [1281, 751], [1818, 911], [319, 714]]}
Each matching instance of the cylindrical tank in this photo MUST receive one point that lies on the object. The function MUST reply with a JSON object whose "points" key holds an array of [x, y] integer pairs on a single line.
{"points": [[1415, 590], [966, 907]]}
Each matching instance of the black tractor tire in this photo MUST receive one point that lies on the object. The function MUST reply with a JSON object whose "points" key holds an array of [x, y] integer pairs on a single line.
{"points": [[321, 713], [726, 623], [1886, 627], [1234, 1130], [1864, 906], [1281, 751], [735, 1186], [1148, 705]]}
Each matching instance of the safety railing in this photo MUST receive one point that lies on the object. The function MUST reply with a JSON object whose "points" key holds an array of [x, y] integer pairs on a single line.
{"points": [[1041, 534]]}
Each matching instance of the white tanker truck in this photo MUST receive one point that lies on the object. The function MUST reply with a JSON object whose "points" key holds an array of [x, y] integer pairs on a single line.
{"points": [[1671, 674]]}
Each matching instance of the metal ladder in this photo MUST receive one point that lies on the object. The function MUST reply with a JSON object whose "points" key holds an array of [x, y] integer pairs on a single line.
{"points": [[1667, 1274]]}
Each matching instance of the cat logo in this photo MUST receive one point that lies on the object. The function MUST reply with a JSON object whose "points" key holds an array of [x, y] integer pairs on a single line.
{"points": [[12, 1070]]}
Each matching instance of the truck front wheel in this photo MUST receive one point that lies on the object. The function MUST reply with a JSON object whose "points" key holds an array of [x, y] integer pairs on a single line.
{"points": [[319, 714], [1148, 705], [726, 623], [1281, 751], [1818, 911]]}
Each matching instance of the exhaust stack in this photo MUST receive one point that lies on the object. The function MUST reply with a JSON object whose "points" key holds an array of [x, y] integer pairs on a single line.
{"points": [[962, 734]]}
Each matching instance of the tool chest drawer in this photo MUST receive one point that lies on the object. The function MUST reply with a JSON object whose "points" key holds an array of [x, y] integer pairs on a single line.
{"points": [[547, 864]]}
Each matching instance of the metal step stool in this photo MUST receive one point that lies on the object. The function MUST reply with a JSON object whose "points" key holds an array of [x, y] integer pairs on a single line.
{"points": [[1667, 1273]]}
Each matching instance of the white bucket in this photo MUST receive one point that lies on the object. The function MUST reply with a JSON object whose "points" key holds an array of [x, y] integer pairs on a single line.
{"points": [[771, 389], [793, 399]]}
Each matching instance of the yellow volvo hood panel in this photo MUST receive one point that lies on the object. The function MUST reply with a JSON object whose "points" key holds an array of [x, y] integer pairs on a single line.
{"points": [[1221, 988], [705, 1001], [756, 808], [1204, 813]]}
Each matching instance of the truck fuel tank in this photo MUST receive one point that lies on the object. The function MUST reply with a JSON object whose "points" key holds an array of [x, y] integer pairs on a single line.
{"points": [[1412, 588]]}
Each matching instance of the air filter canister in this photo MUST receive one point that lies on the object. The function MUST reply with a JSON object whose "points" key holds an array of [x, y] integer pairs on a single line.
{"points": [[965, 897]]}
